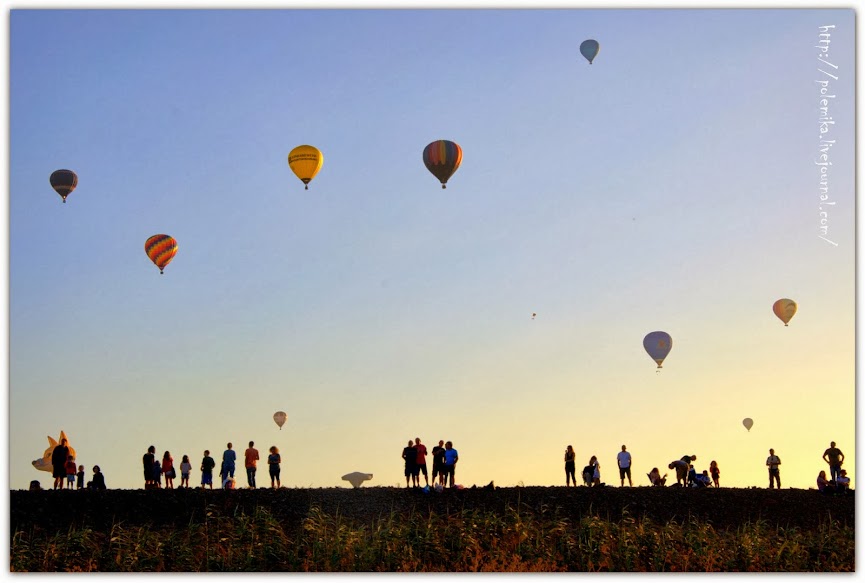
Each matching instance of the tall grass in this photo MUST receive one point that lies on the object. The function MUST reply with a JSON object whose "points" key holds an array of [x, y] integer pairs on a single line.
{"points": [[466, 540]]}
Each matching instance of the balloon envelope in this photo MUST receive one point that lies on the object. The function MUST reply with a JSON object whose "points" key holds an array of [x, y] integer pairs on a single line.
{"points": [[64, 182], [589, 49], [748, 423], [161, 249], [305, 161], [44, 463], [658, 345], [442, 158], [785, 309], [279, 417]]}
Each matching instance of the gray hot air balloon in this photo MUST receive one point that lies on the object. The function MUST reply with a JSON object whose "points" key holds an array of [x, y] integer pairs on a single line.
{"points": [[589, 49]]}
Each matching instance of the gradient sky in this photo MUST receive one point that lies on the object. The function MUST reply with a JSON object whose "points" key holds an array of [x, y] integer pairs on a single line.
{"points": [[672, 185]]}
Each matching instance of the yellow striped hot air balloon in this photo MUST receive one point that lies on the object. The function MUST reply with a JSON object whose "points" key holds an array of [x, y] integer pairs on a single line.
{"points": [[305, 162], [161, 249]]}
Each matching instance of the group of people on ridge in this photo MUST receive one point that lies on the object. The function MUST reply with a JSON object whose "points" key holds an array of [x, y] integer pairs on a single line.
{"points": [[687, 476], [838, 483], [445, 459], [592, 472], [154, 469], [63, 467]]}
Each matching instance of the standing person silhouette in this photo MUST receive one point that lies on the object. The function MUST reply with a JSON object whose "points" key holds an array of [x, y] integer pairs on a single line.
{"points": [[273, 461], [409, 454], [438, 453], [451, 459], [229, 456], [168, 469], [772, 462], [250, 462], [834, 457], [624, 459], [421, 461], [207, 465], [148, 460], [570, 466], [59, 455], [716, 473], [185, 470]]}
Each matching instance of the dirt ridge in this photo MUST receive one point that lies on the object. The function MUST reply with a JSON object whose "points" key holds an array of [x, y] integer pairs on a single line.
{"points": [[724, 507]]}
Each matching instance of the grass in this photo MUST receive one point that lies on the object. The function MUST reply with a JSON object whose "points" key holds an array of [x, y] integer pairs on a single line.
{"points": [[463, 540]]}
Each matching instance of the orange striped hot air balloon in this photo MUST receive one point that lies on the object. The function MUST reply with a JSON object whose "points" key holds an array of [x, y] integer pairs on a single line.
{"points": [[161, 249], [442, 158]]}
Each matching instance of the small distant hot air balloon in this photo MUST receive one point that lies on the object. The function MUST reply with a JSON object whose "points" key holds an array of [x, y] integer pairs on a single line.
{"points": [[748, 423], [785, 309], [589, 49], [442, 158], [64, 182], [533, 315], [161, 249], [658, 345], [279, 417], [305, 162]]}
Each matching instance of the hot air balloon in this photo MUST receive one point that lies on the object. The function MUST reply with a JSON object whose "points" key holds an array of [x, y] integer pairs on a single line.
{"points": [[279, 417], [161, 249], [442, 158], [748, 423], [64, 182], [658, 345], [785, 309], [589, 49], [305, 162]]}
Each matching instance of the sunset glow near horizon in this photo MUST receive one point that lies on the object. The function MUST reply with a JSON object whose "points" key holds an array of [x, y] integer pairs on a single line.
{"points": [[669, 186]]}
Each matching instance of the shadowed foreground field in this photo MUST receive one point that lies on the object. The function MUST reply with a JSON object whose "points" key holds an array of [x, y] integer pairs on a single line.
{"points": [[390, 529]]}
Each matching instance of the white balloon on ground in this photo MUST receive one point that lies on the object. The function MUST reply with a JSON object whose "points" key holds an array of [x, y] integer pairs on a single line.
{"points": [[357, 478]]}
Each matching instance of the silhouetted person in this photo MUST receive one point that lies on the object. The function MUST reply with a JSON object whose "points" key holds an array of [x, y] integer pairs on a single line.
{"points": [[834, 457], [59, 455], [409, 454], [842, 484], [229, 456], [824, 485], [716, 473], [207, 465], [250, 462], [772, 462], [655, 477], [148, 460], [273, 461], [624, 460], [421, 462], [451, 459], [98, 481], [592, 472], [438, 453], [570, 466]]}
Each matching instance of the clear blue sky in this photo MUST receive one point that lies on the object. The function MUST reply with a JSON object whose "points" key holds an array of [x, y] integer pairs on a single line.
{"points": [[669, 186]]}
